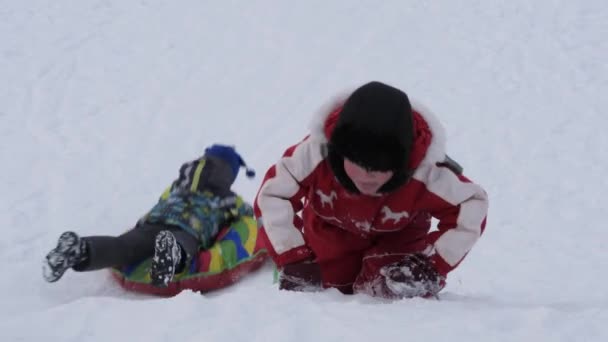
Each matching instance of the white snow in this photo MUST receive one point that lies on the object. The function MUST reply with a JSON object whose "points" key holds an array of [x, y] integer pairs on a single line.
{"points": [[102, 100]]}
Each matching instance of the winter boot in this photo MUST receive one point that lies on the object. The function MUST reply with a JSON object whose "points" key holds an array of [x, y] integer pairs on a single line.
{"points": [[70, 251], [414, 276], [302, 276], [167, 257]]}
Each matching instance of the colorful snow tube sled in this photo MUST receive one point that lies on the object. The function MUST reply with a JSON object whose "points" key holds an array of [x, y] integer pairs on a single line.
{"points": [[236, 252]]}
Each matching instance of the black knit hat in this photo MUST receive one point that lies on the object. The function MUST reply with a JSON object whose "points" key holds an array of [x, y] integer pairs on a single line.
{"points": [[374, 130]]}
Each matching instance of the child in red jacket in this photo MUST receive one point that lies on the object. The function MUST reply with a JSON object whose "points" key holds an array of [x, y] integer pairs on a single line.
{"points": [[350, 206]]}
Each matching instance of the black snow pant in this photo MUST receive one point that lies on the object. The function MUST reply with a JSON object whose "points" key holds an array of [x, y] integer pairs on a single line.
{"points": [[133, 246]]}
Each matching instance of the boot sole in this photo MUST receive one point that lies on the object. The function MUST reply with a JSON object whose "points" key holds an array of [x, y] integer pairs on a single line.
{"points": [[55, 263], [165, 259]]}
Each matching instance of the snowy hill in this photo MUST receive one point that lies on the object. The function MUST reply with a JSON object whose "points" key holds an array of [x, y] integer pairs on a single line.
{"points": [[102, 100]]}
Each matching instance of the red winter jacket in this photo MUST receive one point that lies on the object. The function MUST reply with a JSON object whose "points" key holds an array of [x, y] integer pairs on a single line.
{"points": [[301, 190]]}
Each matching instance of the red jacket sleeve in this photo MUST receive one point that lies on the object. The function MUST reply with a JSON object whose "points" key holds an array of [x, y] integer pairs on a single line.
{"points": [[461, 207], [279, 200]]}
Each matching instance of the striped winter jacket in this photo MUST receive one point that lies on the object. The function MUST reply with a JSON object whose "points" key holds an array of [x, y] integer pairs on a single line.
{"points": [[195, 205]]}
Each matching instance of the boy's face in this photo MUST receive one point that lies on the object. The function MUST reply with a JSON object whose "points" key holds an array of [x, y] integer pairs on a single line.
{"points": [[367, 182]]}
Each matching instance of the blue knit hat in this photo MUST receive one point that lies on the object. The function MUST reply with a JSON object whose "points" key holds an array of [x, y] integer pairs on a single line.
{"points": [[231, 157]]}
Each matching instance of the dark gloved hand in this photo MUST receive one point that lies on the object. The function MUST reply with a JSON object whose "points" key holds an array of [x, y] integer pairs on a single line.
{"points": [[414, 276], [302, 276]]}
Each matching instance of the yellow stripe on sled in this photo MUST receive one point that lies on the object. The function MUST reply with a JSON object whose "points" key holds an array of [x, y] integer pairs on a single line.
{"points": [[215, 264], [252, 236]]}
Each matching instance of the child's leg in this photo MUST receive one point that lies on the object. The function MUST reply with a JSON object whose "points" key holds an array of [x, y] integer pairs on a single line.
{"points": [[133, 246], [337, 252], [188, 243], [173, 248], [390, 248], [341, 273], [98, 252]]}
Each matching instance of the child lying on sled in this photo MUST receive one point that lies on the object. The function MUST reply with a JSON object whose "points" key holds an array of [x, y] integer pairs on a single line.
{"points": [[186, 219]]}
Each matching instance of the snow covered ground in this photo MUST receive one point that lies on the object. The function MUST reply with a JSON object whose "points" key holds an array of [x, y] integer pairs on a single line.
{"points": [[102, 100]]}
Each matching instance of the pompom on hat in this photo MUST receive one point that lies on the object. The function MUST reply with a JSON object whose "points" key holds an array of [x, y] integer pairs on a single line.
{"points": [[231, 157]]}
